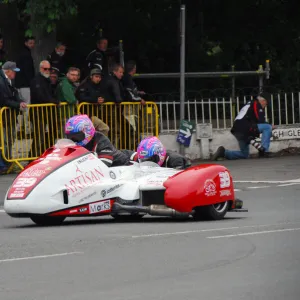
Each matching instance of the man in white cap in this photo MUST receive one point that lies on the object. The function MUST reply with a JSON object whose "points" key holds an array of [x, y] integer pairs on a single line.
{"points": [[9, 97]]}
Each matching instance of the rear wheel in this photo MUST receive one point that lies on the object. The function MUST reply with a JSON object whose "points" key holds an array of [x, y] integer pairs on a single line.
{"points": [[47, 221], [211, 212]]}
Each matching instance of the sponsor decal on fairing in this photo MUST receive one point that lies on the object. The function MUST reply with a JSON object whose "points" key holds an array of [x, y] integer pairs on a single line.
{"points": [[112, 175], [210, 188], [87, 197], [110, 190], [101, 206], [83, 159], [84, 180], [225, 193]]}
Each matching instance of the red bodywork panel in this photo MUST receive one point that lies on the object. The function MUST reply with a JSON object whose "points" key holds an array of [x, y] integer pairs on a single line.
{"points": [[199, 186], [35, 172]]}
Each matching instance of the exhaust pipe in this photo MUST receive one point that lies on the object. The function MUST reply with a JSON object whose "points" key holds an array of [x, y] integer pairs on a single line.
{"points": [[153, 210]]}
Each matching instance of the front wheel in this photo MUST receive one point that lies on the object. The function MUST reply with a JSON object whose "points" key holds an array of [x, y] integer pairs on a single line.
{"points": [[211, 212], [47, 221]]}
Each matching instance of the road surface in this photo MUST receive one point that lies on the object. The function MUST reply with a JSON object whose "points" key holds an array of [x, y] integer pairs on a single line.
{"points": [[249, 256]]}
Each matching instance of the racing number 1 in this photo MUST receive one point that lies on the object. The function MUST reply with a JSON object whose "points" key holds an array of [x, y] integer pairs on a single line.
{"points": [[224, 179]]}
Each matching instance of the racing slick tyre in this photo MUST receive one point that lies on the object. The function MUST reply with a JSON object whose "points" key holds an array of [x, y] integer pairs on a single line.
{"points": [[211, 212], [47, 221], [128, 218]]}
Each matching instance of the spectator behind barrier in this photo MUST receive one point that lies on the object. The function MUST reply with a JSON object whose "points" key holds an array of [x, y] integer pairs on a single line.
{"points": [[24, 77], [91, 89], [98, 57], [67, 87], [113, 85], [247, 126], [42, 93], [54, 81], [9, 97], [2, 52], [57, 59], [132, 92]]}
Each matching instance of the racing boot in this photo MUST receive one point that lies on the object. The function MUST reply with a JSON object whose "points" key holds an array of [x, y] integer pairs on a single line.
{"points": [[220, 153]]}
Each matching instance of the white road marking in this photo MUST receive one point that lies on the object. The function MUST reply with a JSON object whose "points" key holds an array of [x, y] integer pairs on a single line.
{"points": [[252, 233], [237, 190], [2, 211], [287, 184], [207, 230], [40, 256], [258, 187], [268, 181]]}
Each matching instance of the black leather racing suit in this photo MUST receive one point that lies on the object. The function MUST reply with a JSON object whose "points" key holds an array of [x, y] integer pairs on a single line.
{"points": [[105, 150], [173, 160]]}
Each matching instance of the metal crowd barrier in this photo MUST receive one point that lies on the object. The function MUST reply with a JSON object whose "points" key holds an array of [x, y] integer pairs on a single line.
{"points": [[128, 122], [25, 135]]}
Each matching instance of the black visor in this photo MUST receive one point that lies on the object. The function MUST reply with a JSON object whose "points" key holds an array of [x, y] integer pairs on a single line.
{"points": [[154, 158], [76, 137]]}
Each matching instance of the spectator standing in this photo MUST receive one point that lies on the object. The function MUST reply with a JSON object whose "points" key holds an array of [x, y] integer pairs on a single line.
{"points": [[66, 89], [41, 93], [98, 57], [9, 97], [57, 59], [135, 117], [91, 91], [113, 84], [54, 81], [24, 77], [2, 52], [132, 92]]}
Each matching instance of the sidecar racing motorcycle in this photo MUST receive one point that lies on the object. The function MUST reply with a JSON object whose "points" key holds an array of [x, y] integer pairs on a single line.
{"points": [[70, 181]]}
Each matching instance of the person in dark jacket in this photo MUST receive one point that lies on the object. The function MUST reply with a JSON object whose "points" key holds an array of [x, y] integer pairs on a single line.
{"points": [[98, 58], [54, 80], [81, 130], [24, 77], [2, 52], [57, 59], [41, 93], [132, 92], [114, 88], [9, 97], [91, 90], [247, 126]]}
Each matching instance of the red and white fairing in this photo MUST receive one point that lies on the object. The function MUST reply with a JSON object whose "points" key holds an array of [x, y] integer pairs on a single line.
{"points": [[70, 181]]}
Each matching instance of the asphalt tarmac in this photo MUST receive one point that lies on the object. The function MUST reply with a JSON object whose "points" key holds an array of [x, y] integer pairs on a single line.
{"points": [[254, 255]]}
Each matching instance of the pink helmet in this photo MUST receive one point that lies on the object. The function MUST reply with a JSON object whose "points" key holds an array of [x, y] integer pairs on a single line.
{"points": [[152, 149], [80, 129]]}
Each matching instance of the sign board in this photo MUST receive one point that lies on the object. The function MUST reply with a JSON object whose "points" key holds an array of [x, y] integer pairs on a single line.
{"points": [[286, 134], [185, 132]]}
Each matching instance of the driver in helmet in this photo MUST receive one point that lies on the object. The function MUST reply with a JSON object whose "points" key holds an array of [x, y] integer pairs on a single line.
{"points": [[81, 130], [152, 149]]}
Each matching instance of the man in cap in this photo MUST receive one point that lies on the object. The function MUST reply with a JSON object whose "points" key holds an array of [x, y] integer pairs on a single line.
{"points": [[9, 97], [247, 126], [91, 91]]}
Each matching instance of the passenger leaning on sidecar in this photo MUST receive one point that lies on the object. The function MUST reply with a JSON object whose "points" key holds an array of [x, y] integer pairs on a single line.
{"points": [[152, 149], [81, 130]]}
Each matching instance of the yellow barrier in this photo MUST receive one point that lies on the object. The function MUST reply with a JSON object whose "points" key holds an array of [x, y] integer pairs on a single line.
{"points": [[128, 123], [44, 125]]}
